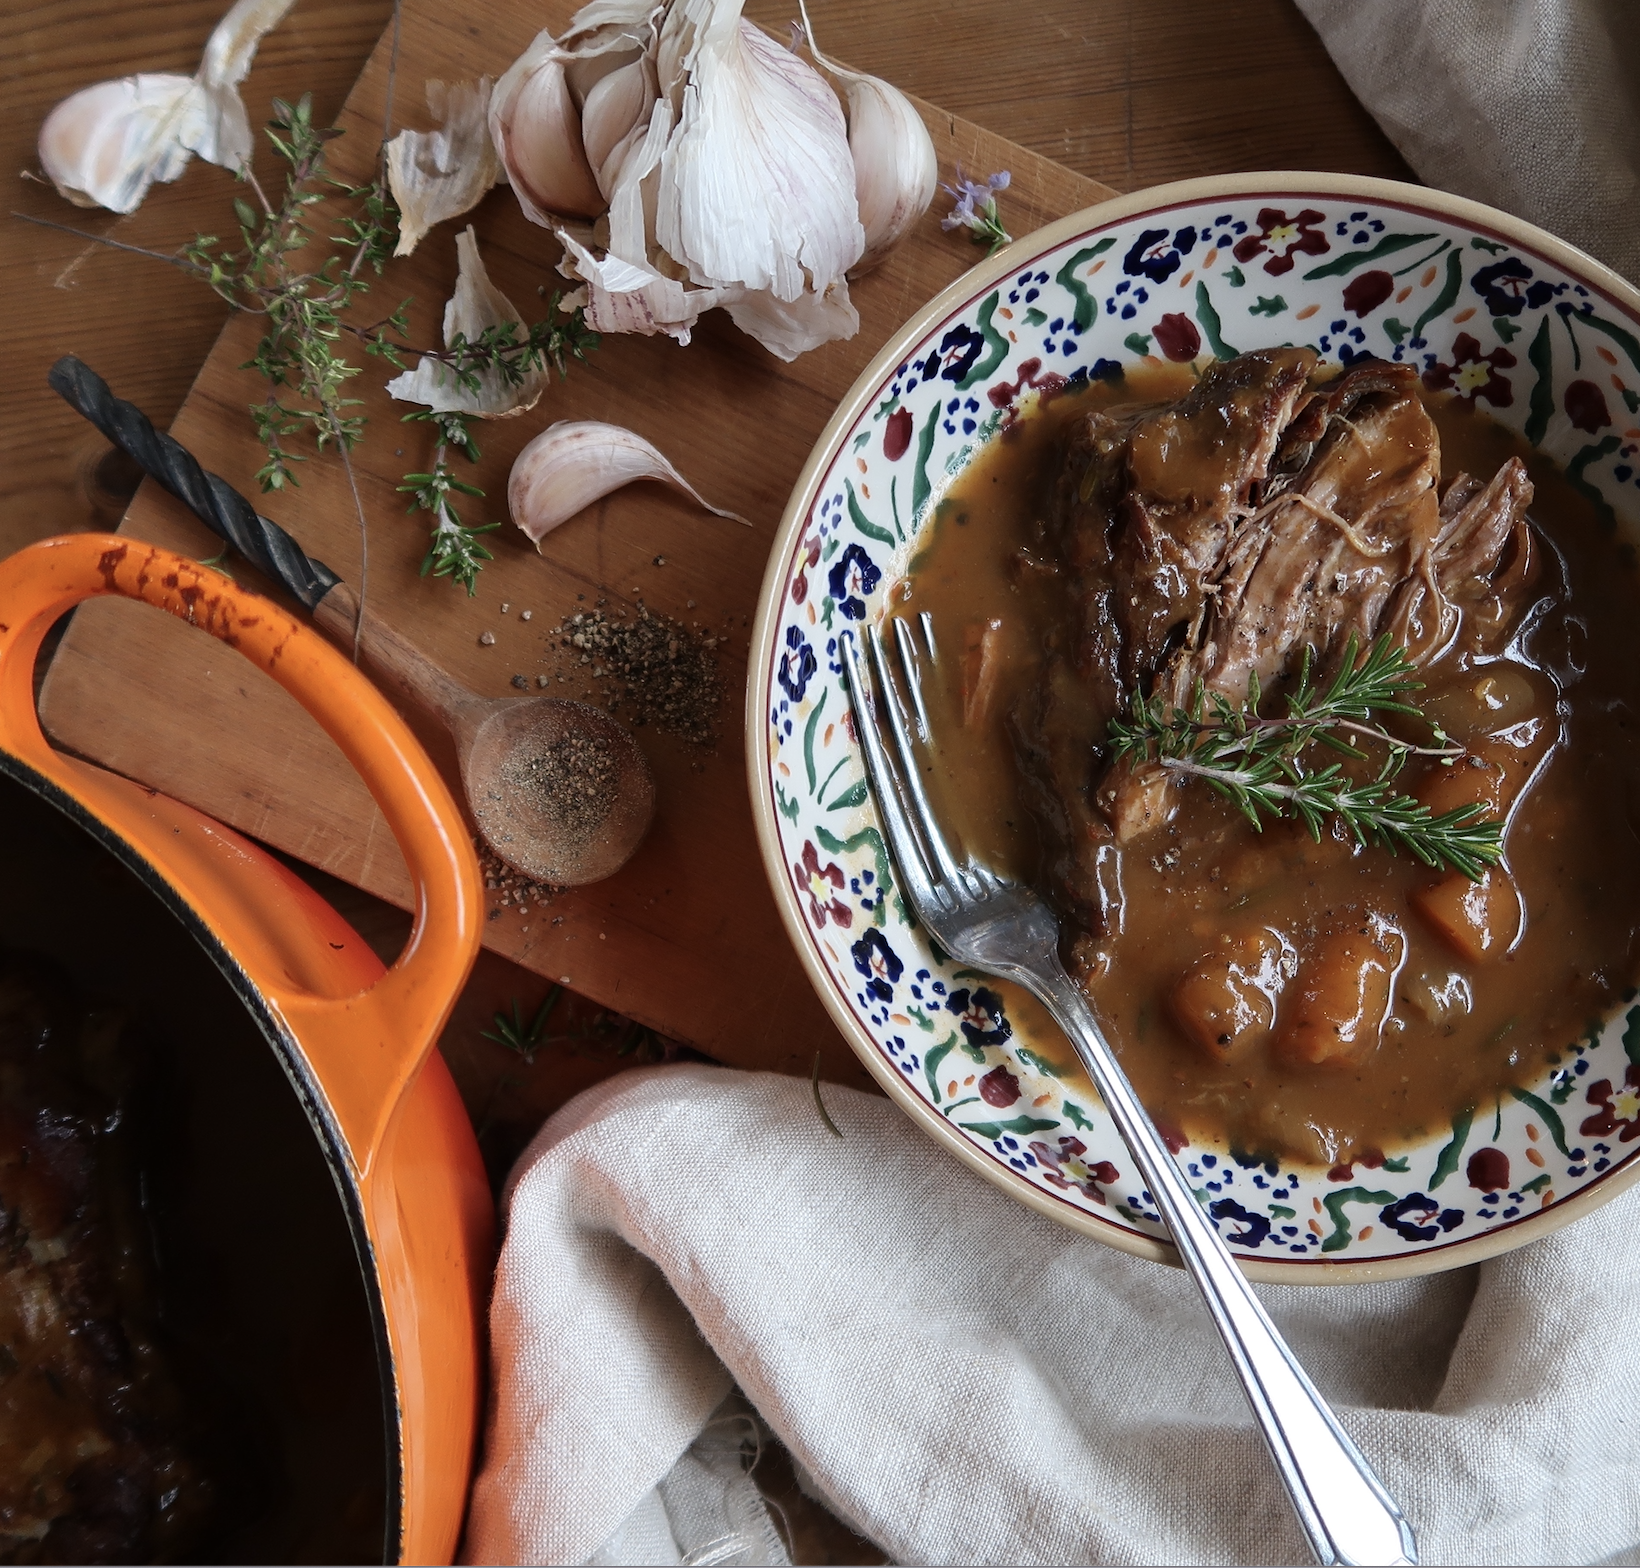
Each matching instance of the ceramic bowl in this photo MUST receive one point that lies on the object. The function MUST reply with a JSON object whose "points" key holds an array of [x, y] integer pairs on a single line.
{"points": [[1544, 339]]}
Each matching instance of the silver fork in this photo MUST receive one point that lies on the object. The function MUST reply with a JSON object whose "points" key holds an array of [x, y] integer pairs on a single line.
{"points": [[1004, 929]]}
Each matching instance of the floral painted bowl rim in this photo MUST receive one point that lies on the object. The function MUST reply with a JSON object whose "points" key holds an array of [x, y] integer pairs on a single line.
{"points": [[1277, 185]]}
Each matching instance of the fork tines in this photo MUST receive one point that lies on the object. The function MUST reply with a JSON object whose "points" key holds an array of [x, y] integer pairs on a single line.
{"points": [[928, 869]]}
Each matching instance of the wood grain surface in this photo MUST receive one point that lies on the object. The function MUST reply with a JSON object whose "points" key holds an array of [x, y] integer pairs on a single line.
{"points": [[1129, 92]]}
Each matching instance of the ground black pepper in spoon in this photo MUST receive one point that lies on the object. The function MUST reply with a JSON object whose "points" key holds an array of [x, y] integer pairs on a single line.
{"points": [[559, 789]]}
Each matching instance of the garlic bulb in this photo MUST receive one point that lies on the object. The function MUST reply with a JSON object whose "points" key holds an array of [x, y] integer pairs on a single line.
{"points": [[107, 144], [895, 169], [721, 163], [435, 175], [574, 463], [475, 307]]}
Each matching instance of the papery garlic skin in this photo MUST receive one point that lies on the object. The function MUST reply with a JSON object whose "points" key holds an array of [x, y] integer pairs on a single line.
{"points": [[475, 307], [574, 463], [896, 171], [789, 328], [757, 183], [106, 145], [438, 175]]}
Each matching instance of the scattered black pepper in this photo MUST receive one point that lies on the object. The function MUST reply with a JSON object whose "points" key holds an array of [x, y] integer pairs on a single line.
{"points": [[658, 672], [513, 886]]}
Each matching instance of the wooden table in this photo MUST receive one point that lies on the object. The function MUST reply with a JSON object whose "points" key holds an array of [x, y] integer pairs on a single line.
{"points": [[1129, 92]]}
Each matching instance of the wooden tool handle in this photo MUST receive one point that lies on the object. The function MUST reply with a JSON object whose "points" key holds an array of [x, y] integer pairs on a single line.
{"points": [[406, 668]]}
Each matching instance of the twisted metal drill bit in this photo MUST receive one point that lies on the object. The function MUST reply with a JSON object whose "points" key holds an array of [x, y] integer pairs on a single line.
{"points": [[214, 501]]}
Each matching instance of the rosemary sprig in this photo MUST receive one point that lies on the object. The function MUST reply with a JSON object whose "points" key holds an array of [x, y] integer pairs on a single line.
{"points": [[456, 551], [1257, 761], [516, 1035]]}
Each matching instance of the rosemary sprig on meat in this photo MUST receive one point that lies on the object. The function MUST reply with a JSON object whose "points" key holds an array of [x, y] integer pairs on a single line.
{"points": [[1258, 762]]}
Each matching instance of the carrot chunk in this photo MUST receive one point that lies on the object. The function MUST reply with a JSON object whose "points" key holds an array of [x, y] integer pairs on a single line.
{"points": [[1341, 1000], [1226, 1000], [1478, 920]]}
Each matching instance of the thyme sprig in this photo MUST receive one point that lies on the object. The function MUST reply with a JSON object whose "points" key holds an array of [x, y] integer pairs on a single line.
{"points": [[1258, 763], [456, 551], [306, 316]]}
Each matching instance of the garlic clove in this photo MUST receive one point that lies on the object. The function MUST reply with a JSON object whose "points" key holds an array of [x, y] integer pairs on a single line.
{"points": [[535, 117], [574, 463], [537, 134], [757, 184], [438, 175], [106, 145], [789, 328], [896, 172], [475, 307], [616, 105]]}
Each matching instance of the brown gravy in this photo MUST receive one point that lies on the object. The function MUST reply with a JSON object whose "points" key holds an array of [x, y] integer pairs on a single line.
{"points": [[1458, 1031]]}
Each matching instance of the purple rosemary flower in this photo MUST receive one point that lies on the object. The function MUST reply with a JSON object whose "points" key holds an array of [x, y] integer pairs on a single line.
{"points": [[976, 209]]}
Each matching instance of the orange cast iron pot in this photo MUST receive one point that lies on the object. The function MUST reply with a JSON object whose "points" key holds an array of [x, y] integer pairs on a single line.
{"points": [[357, 1039]]}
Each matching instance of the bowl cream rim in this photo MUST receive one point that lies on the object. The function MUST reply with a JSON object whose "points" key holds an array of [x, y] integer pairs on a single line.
{"points": [[1278, 185]]}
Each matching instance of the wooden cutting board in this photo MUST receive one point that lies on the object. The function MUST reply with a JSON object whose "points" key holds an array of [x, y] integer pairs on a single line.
{"points": [[685, 938]]}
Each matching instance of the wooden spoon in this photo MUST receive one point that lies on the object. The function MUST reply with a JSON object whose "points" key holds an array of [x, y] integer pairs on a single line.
{"points": [[560, 790]]}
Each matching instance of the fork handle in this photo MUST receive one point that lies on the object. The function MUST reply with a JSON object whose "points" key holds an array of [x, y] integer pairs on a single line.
{"points": [[1342, 1505]]}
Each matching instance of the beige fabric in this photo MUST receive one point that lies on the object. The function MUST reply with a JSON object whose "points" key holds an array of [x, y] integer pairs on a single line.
{"points": [[969, 1383], [1530, 105]]}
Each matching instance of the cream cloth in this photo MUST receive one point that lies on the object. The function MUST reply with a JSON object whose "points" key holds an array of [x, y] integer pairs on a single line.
{"points": [[1530, 105], [966, 1382]]}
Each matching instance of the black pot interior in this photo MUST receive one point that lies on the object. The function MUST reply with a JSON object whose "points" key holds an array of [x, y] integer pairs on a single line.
{"points": [[252, 1295]]}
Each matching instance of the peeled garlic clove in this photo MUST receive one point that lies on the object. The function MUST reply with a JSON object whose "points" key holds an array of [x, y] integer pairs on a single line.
{"points": [[757, 184], [574, 463], [475, 307], [438, 175], [895, 169], [107, 144]]}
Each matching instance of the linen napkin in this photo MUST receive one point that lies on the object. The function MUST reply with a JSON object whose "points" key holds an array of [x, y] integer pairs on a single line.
{"points": [[965, 1381], [1530, 105]]}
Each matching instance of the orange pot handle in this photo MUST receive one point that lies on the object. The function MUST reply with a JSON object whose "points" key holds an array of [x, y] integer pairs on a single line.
{"points": [[367, 1048]]}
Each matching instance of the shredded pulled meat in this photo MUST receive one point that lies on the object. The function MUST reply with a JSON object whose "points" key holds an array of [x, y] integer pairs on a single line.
{"points": [[1212, 541], [93, 1466]]}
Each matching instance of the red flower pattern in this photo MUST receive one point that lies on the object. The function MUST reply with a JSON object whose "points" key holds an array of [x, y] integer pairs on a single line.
{"points": [[1586, 407], [822, 884], [1177, 337], [1617, 1108], [1065, 1168], [1284, 238], [1473, 374]]}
